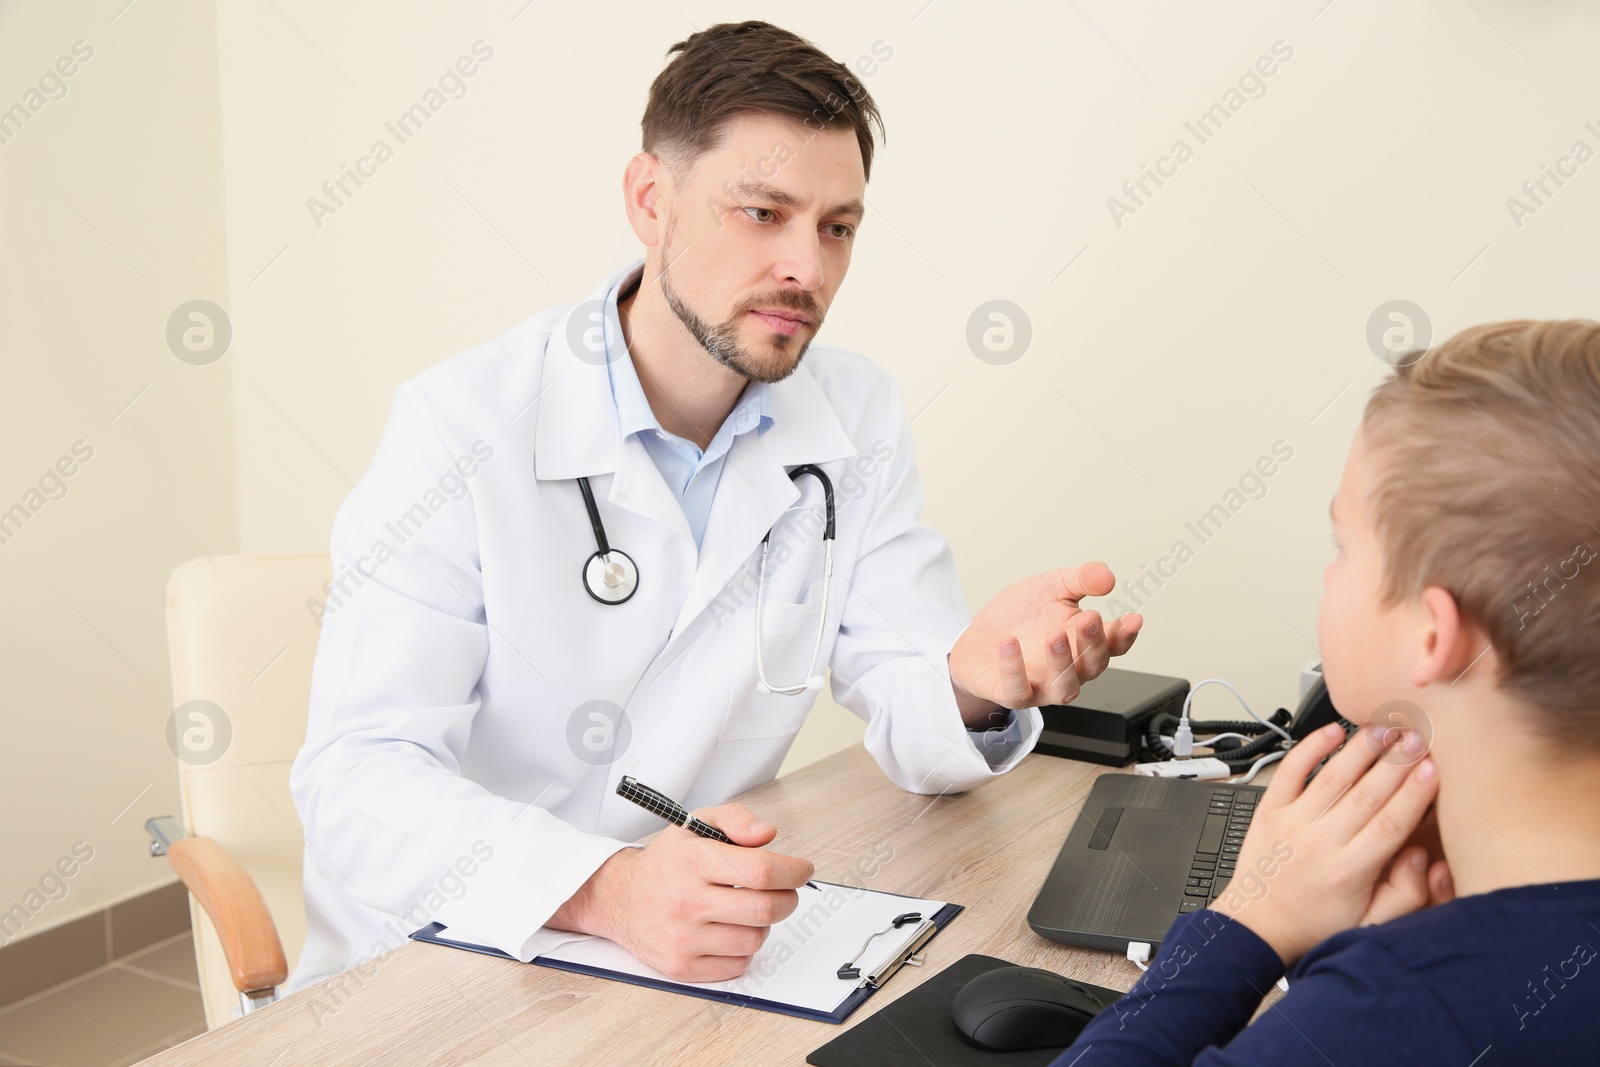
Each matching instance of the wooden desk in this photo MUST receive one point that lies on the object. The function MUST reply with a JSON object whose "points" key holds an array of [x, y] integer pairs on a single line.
{"points": [[988, 849]]}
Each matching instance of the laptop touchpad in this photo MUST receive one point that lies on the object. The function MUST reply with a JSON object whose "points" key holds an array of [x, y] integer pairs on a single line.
{"points": [[1159, 842]]}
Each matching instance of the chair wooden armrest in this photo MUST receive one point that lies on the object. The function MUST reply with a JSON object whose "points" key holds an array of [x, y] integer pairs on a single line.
{"points": [[229, 895]]}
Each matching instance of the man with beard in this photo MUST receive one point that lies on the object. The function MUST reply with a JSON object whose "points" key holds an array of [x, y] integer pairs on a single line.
{"points": [[608, 544]]}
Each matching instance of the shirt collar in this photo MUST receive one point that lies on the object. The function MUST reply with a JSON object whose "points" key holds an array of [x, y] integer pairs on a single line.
{"points": [[754, 410]]}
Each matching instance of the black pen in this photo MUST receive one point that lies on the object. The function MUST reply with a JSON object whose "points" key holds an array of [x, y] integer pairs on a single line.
{"points": [[660, 804]]}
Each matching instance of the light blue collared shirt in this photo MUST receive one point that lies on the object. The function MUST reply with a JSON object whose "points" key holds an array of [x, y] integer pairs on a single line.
{"points": [[690, 473]]}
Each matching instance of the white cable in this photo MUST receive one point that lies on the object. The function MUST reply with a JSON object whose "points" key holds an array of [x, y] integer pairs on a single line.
{"points": [[1139, 953], [1208, 742], [1184, 730], [1183, 737], [1270, 757], [1211, 742]]}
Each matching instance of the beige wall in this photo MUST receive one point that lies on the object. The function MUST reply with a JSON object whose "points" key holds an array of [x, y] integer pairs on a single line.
{"points": [[110, 218], [1226, 313]]}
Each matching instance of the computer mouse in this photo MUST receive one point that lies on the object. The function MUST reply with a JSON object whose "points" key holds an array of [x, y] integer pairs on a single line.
{"points": [[1014, 1008]]}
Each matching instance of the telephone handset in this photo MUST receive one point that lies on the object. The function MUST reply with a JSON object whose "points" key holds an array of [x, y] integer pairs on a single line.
{"points": [[1316, 710]]}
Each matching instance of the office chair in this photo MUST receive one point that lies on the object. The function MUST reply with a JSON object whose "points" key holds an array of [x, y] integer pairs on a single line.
{"points": [[241, 638]]}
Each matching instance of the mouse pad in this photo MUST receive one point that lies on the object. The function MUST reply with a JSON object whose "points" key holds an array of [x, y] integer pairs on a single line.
{"points": [[916, 1029]]}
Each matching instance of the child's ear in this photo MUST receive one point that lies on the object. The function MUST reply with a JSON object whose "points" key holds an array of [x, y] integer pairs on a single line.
{"points": [[1448, 644]]}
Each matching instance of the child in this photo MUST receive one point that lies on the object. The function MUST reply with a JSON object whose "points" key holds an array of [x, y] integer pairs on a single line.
{"points": [[1460, 621]]}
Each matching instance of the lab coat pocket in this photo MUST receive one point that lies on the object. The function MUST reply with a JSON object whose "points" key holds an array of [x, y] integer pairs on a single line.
{"points": [[781, 627], [788, 634]]}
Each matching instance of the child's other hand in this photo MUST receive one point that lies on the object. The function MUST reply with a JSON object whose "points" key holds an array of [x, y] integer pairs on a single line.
{"points": [[1409, 884], [1418, 876], [1324, 857]]}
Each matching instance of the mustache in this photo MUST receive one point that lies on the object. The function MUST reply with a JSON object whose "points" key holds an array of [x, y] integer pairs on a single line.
{"points": [[787, 299]]}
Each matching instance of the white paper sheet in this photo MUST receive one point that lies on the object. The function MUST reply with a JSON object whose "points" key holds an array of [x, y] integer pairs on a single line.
{"points": [[798, 964]]}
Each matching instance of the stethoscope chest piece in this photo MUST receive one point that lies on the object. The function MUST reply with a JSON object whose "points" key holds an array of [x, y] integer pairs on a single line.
{"points": [[610, 577]]}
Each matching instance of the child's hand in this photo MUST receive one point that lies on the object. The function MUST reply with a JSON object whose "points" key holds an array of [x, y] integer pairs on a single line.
{"points": [[1313, 858]]}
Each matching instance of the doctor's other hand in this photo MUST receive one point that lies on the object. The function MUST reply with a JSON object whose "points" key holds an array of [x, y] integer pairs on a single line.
{"points": [[1032, 644], [694, 909]]}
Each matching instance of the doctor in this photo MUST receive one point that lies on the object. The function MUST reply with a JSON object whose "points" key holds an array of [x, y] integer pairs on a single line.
{"points": [[549, 576]]}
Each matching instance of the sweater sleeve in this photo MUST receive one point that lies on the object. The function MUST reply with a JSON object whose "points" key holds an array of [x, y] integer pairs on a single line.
{"points": [[1201, 989], [1348, 998]]}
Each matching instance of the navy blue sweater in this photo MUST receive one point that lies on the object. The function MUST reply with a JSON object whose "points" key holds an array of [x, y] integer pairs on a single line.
{"points": [[1509, 977]]}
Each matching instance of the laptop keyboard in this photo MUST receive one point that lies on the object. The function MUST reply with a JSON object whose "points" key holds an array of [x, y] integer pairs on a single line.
{"points": [[1227, 819]]}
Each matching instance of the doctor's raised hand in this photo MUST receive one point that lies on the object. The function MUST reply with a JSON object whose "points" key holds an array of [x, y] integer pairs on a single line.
{"points": [[694, 909], [1032, 644]]}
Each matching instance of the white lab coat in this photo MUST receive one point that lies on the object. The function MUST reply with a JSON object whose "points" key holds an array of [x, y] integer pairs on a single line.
{"points": [[449, 773]]}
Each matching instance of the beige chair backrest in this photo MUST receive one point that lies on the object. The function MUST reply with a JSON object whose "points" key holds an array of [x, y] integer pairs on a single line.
{"points": [[240, 635]]}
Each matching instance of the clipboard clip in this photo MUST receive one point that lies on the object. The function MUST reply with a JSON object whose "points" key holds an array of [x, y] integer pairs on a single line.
{"points": [[911, 953]]}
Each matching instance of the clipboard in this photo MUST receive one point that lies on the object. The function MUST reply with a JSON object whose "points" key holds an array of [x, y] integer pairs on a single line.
{"points": [[876, 966]]}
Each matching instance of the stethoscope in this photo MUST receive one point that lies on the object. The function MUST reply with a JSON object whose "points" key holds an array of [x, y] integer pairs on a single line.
{"points": [[611, 576]]}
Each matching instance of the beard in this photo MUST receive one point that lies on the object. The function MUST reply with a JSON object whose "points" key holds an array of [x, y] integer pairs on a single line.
{"points": [[721, 339]]}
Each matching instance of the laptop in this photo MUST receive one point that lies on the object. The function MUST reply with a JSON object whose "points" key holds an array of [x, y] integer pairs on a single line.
{"points": [[1142, 852]]}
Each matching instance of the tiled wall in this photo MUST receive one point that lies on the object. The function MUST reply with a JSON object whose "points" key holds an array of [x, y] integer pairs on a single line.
{"points": [[30, 964]]}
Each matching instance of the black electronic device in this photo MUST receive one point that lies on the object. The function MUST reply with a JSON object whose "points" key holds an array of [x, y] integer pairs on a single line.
{"points": [[1141, 852], [1105, 723], [1014, 1008], [1316, 710]]}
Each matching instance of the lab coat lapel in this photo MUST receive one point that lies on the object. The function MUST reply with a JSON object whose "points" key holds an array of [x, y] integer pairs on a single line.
{"points": [[577, 434], [752, 493], [640, 488], [754, 488]]}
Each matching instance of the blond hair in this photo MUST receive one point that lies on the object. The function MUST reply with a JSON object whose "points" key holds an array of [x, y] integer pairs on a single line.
{"points": [[1487, 484]]}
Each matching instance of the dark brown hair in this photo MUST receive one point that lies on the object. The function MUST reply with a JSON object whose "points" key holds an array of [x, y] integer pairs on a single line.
{"points": [[1487, 484], [751, 67]]}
